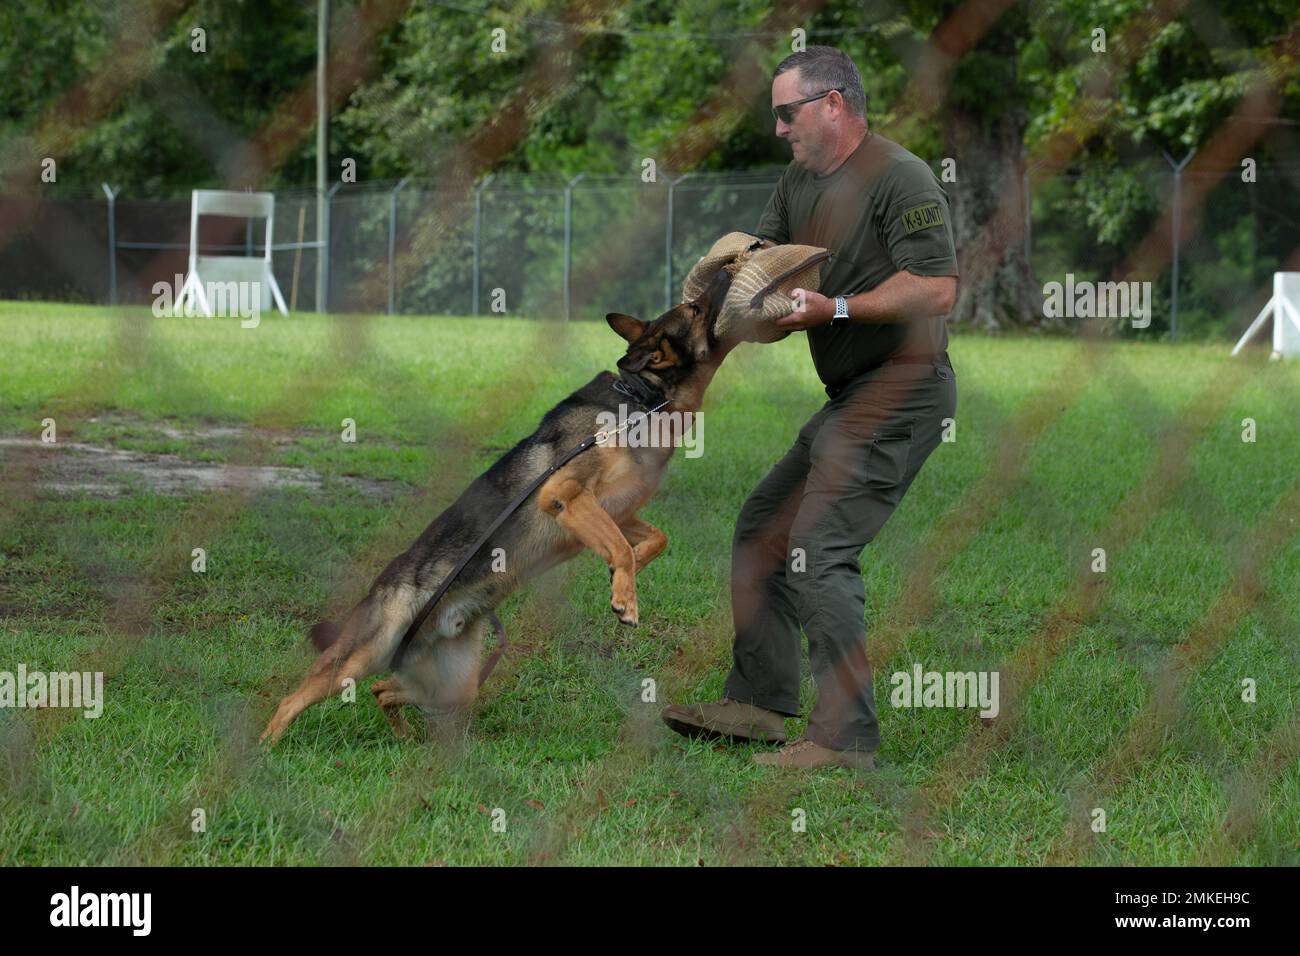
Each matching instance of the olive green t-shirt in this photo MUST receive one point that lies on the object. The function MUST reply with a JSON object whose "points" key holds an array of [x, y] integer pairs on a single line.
{"points": [[880, 212]]}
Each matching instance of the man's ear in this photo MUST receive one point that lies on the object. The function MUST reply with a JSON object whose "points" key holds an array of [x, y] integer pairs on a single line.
{"points": [[625, 325]]}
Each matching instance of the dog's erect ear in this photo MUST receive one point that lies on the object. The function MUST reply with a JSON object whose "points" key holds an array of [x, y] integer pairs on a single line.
{"points": [[625, 325]]}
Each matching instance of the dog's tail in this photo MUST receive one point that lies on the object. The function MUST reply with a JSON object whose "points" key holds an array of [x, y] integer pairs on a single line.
{"points": [[324, 634]]}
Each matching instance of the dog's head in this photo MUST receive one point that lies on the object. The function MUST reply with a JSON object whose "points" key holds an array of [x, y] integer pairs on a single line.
{"points": [[678, 345]]}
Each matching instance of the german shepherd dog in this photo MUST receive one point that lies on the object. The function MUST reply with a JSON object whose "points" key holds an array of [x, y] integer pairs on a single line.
{"points": [[591, 502]]}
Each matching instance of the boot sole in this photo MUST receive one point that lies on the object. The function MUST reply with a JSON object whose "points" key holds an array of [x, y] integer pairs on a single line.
{"points": [[688, 729]]}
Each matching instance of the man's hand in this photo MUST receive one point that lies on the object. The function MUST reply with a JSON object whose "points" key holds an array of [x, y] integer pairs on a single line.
{"points": [[900, 298], [817, 310]]}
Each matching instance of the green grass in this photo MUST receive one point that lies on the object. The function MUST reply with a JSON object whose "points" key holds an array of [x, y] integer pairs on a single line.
{"points": [[560, 740]]}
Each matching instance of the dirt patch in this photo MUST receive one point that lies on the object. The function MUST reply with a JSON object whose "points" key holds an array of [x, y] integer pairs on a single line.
{"points": [[77, 468], [123, 429]]}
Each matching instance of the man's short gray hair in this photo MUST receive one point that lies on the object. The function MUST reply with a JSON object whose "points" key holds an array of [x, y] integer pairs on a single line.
{"points": [[825, 68]]}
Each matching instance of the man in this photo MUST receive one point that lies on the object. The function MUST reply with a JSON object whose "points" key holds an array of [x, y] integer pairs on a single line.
{"points": [[878, 342]]}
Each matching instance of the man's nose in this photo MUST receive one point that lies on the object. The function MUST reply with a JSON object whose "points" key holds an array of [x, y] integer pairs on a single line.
{"points": [[781, 128]]}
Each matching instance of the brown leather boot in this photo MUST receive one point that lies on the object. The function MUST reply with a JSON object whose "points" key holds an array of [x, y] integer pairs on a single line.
{"points": [[729, 719], [803, 754]]}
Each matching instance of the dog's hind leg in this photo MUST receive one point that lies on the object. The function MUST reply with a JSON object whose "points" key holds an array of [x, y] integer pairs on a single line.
{"points": [[390, 697], [440, 674], [326, 678], [363, 648], [579, 512]]}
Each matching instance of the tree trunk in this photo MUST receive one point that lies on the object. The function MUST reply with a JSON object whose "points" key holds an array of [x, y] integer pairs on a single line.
{"points": [[997, 288]]}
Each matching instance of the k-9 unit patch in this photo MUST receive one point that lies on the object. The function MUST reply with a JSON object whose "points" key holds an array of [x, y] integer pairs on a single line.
{"points": [[922, 217]]}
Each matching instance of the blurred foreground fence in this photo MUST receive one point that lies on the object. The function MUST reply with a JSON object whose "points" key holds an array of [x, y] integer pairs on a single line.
{"points": [[543, 246]]}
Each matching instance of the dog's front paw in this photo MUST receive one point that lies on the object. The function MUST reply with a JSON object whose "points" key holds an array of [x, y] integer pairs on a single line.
{"points": [[623, 598], [626, 615], [626, 610]]}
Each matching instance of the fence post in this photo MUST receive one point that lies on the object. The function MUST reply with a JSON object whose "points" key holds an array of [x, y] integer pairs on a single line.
{"points": [[112, 240], [323, 252], [568, 242], [1177, 228], [1027, 197], [322, 151], [392, 240], [478, 234], [668, 242]]}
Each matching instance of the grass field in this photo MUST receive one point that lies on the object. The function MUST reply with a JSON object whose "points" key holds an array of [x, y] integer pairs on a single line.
{"points": [[1121, 690]]}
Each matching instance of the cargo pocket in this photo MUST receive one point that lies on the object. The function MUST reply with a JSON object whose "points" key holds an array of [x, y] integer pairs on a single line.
{"points": [[845, 460], [887, 457]]}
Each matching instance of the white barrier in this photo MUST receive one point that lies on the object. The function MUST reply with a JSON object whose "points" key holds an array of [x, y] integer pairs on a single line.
{"points": [[1284, 309], [217, 272]]}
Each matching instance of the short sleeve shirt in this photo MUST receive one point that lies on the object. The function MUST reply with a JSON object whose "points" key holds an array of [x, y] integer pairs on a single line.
{"points": [[880, 212]]}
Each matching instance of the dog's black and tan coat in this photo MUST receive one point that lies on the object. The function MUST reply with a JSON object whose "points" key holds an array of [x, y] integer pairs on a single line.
{"points": [[591, 502]]}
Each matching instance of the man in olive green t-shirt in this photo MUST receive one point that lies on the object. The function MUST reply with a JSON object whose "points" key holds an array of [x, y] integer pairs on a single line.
{"points": [[877, 336]]}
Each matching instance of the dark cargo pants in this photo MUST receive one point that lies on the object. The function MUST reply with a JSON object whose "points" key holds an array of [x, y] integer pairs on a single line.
{"points": [[794, 555]]}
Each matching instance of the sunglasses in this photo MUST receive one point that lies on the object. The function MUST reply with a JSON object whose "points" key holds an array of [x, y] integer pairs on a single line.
{"points": [[786, 115]]}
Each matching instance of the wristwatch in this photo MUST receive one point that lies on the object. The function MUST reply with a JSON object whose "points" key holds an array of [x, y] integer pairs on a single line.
{"points": [[841, 317]]}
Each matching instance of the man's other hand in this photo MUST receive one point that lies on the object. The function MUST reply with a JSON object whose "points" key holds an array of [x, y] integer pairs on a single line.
{"points": [[817, 310]]}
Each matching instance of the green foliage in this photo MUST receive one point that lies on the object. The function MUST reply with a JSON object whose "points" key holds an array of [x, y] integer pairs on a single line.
{"points": [[180, 125], [1168, 97], [637, 84]]}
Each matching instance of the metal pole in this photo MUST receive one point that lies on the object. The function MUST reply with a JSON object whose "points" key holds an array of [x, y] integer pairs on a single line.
{"points": [[1028, 200], [322, 151], [478, 234], [568, 242], [1254, 236], [668, 248], [392, 241], [112, 241], [1177, 229], [670, 294], [1177, 225], [668, 242], [323, 304]]}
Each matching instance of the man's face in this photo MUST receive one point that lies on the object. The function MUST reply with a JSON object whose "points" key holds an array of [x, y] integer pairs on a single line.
{"points": [[810, 129]]}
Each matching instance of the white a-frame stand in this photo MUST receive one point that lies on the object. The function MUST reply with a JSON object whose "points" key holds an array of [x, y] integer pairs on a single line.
{"points": [[1284, 308], [225, 274]]}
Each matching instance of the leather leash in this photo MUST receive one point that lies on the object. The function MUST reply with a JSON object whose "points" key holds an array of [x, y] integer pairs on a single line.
{"points": [[757, 301]]}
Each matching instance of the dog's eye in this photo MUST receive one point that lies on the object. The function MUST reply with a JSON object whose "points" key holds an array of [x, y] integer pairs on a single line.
{"points": [[696, 309]]}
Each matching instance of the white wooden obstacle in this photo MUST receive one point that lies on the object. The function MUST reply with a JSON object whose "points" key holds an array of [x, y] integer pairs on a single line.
{"points": [[219, 272], [1284, 310]]}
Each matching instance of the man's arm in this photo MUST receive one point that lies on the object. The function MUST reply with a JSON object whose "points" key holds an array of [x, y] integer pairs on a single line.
{"points": [[916, 226], [900, 298]]}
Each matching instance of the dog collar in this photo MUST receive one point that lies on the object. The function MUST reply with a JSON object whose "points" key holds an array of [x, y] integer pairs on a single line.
{"points": [[638, 389]]}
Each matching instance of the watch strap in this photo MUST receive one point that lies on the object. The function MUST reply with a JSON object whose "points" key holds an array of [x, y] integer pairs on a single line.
{"points": [[841, 316]]}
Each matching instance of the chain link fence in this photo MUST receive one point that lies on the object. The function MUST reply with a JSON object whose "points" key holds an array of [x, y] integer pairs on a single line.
{"points": [[545, 246]]}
